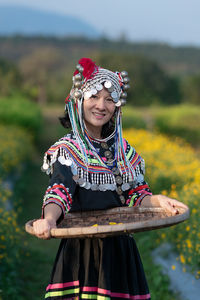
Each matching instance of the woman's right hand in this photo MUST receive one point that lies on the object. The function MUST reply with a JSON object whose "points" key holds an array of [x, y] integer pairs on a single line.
{"points": [[42, 228]]}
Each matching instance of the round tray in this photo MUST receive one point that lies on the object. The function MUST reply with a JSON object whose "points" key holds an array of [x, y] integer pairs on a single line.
{"points": [[115, 221]]}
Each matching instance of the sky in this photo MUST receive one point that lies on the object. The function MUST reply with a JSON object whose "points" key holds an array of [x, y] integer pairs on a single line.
{"points": [[176, 22]]}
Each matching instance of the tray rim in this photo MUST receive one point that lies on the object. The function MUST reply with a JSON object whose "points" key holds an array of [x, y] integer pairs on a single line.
{"points": [[116, 229]]}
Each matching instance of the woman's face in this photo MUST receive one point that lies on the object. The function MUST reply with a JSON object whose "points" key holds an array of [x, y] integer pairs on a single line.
{"points": [[98, 110]]}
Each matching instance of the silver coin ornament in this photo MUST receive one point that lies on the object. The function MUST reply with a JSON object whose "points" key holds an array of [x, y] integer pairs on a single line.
{"points": [[126, 80], [104, 145], [124, 95], [126, 87], [118, 104], [108, 84], [99, 87], [78, 77], [78, 84], [80, 68], [123, 102], [68, 162], [114, 95], [124, 73], [87, 95], [93, 91], [45, 166], [78, 94]]}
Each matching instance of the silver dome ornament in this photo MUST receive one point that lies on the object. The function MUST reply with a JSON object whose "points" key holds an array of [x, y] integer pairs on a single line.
{"points": [[108, 84], [124, 73], [126, 87], [126, 80], [114, 94], [78, 94], [123, 101], [78, 84], [87, 95], [124, 95], [93, 91], [118, 103], [78, 77], [99, 87], [79, 68]]}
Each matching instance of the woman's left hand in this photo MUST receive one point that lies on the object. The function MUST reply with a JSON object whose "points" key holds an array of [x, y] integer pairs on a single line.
{"points": [[168, 204]]}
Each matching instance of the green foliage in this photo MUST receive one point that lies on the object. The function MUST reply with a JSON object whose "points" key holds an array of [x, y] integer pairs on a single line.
{"points": [[21, 112], [10, 78], [16, 146], [182, 121], [132, 118], [191, 89], [149, 83]]}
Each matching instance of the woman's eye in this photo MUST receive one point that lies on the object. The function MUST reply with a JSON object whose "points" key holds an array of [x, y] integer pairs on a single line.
{"points": [[93, 97], [109, 99]]}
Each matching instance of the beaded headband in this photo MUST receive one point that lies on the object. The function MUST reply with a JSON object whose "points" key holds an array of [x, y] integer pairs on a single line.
{"points": [[89, 79]]}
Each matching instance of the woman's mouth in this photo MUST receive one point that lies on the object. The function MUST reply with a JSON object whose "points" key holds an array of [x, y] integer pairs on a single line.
{"points": [[99, 115]]}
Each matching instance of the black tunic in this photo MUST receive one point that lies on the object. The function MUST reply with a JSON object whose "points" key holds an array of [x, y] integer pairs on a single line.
{"points": [[94, 268]]}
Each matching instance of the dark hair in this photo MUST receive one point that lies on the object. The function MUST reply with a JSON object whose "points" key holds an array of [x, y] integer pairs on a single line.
{"points": [[107, 128]]}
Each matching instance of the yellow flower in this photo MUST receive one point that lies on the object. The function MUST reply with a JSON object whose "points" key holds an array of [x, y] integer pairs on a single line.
{"points": [[173, 267]]}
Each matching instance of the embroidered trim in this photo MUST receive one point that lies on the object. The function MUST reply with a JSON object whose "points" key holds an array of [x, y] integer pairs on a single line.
{"points": [[96, 175]]}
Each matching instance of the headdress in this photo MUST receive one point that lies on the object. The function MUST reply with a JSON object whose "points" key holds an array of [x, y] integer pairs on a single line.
{"points": [[87, 165]]}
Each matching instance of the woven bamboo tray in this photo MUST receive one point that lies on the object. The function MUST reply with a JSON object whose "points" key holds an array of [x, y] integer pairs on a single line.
{"points": [[115, 221]]}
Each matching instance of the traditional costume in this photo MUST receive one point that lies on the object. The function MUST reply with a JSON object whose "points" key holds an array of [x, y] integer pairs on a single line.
{"points": [[95, 174]]}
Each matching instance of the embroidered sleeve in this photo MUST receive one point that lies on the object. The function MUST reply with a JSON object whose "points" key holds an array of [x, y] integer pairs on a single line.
{"points": [[139, 190], [61, 188]]}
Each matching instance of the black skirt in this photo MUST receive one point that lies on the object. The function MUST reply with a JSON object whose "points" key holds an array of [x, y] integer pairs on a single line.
{"points": [[98, 268]]}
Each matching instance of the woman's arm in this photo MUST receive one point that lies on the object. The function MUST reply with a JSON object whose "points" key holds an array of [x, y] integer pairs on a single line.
{"points": [[42, 227], [167, 203]]}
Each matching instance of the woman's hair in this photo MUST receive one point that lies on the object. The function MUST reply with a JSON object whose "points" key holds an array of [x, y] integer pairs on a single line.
{"points": [[107, 128]]}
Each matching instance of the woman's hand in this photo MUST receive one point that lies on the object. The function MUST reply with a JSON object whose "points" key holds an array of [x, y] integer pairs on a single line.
{"points": [[169, 204], [165, 202], [42, 228]]}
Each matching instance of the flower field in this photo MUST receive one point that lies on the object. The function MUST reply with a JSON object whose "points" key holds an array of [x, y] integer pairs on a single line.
{"points": [[16, 148], [173, 169]]}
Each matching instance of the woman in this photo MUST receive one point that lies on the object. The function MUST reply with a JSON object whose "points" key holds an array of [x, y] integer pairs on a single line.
{"points": [[94, 168]]}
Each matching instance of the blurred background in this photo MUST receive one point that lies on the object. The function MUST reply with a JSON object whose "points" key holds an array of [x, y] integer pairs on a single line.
{"points": [[158, 43]]}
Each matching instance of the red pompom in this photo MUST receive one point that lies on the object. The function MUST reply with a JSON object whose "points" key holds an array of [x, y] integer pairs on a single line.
{"points": [[89, 67]]}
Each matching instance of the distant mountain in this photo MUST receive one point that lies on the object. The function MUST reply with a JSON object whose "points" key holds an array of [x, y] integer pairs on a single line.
{"points": [[28, 21]]}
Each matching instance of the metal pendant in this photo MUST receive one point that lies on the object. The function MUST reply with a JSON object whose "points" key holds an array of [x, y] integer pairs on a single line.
{"points": [[115, 171], [122, 199], [104, 145], [108, 154], [119, 190], [118, 179], [125, 186]]}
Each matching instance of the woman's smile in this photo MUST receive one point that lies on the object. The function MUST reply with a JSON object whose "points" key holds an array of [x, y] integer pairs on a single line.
{"points": [[98, 110]]}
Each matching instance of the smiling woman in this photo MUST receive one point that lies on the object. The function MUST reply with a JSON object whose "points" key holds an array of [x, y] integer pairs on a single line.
{"points": [[97, 111], [94, 168]]}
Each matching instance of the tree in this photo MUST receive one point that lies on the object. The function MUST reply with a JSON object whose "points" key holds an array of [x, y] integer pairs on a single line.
{"points": [[149, 83], [191, 89], [10, 78]]}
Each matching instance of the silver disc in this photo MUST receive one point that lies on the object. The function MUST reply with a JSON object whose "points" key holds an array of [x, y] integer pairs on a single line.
{"points": [[108, 84]]}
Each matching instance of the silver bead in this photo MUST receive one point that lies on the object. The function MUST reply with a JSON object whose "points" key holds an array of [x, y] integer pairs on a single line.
{"points": [[126, 87], [118, 103], [124, 95], [79, 68], [123, 102], [78, 94], [78, 84], [78, 77], [108, 84], [126, 80], [124, 73]]}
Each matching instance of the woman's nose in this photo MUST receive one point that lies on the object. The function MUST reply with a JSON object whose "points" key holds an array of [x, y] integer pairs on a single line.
{"points": [[100, 104]]}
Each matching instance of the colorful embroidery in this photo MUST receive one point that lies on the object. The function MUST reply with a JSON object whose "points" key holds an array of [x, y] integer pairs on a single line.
{"points": [[72, 289]]}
